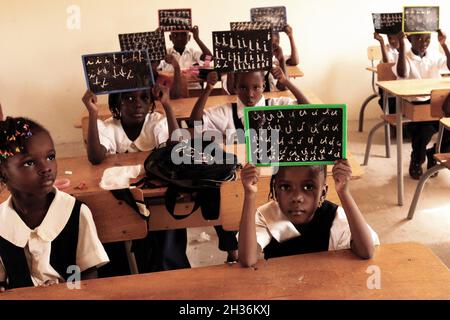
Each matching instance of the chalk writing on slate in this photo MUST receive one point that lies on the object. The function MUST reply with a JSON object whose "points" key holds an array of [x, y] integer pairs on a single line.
{"points": [[175, 19], [387, 23], [154, 42], [249, 25], [420, 19], [276, 16], [117, 71], [240, 51], [295, 135]]}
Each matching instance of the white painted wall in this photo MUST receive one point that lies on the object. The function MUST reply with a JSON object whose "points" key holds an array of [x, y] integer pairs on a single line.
{"points": [[40, 66]]}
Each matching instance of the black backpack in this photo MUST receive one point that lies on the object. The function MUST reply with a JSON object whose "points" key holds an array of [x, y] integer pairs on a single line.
{"points": [[195, 167]]}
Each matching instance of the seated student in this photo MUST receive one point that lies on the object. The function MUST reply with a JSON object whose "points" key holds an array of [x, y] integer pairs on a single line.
{"points": [[43, 231], [136, 127], [249, 86], [420, 63], [279, 60], [177, 83], [298, 219], [186, 57]]}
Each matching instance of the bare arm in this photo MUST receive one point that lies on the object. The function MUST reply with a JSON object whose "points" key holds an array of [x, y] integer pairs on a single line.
{"points": [[294, 59], [96, 152], [401, 63], [203, 47], [179, 85], [197, 111], [247, 244], [378, 37], [362, 243], [162, 94], [231, 83], [280, 76], [442, 37]]}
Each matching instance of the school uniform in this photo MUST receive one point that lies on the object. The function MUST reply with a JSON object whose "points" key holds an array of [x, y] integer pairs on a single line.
{"points": [[160, 250], [187, 59], [429, 66], [328, 230], [67, 236], [229, 117], [392, 53], [113, 137]]}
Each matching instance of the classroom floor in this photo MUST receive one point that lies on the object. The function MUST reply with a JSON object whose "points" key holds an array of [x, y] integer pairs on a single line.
{"points": [[376, 195]]}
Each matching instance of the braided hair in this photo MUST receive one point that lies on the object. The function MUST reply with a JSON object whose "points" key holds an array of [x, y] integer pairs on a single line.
{"points": [[274, 176], [115, 100], [14, 133]]}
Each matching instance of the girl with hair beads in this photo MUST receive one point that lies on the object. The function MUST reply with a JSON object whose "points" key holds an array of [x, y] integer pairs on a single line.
{"points": [[43, 231], [298, 219]]}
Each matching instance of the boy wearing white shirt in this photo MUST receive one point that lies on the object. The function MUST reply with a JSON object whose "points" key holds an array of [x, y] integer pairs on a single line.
{"points": [[419, 63]]}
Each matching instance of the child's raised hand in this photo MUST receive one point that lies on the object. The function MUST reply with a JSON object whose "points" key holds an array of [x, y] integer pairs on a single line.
{"points": [[279, 75], [442, 37], [342, 173], [249, 178], [170, 59], [211, 79], [161, 93], [195, 32], [90, 101], [378, 37], [278, 53], [288, 30], [401, 37]]}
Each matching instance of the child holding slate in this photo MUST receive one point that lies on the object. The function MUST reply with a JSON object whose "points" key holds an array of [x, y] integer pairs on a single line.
{"points": [[43, 231], [177, 83], [298, 219], [249, 86], [132, 129], [186, 57], [420, 63]]}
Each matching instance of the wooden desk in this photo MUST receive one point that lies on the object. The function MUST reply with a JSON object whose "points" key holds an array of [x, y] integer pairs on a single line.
{"points": [[408, 271], [294, 72], [402, 89]]}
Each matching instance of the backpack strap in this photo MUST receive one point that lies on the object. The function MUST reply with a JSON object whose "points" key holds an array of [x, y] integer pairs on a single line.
{"points": [[171, 197], [237, 122]]}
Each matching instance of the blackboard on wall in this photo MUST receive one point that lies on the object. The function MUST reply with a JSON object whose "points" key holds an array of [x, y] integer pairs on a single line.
{"points": [[387, 23], [307, 134], [249, 25], [117, 71], [242, 51], [154, 42], [420, 19], [276, 16], [175, 19]]}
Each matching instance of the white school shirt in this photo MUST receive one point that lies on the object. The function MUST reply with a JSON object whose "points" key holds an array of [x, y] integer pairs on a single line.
{"points": [[272, 223], [429, 67], [220, 118], [154, 132], [37, 242], [392, 53], [185, 60]]}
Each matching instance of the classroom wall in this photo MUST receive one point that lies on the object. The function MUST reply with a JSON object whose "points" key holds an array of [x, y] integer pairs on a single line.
{"points": [[40, 67]]}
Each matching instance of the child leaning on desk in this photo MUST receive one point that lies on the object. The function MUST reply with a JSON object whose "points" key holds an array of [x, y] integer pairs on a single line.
{"points": [[421, 63], [43, 231], [298, 219], [135, 127]]}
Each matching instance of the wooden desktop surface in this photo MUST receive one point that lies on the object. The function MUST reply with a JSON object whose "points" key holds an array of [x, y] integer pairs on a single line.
{"points": [[414, 88], [407, 271]]}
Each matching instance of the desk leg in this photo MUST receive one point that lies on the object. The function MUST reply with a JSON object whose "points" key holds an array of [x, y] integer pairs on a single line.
{"points": [[400, 186], [387, 126]]}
